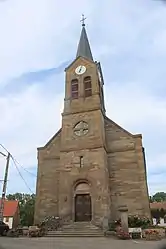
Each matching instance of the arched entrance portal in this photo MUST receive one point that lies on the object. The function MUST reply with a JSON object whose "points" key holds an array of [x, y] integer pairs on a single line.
{"points": [[83, 206]]}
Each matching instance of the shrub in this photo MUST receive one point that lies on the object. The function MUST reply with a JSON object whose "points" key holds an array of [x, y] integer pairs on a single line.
{"points": [[136, 221]]}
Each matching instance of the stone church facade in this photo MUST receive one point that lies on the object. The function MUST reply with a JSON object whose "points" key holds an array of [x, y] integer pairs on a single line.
{"points": [[91, 166]]}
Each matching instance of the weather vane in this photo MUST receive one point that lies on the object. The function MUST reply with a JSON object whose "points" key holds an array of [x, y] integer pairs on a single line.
{"points": [[83, 20]]}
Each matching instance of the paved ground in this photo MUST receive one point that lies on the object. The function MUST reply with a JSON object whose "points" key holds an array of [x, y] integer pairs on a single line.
{"points": [[76, 243]]}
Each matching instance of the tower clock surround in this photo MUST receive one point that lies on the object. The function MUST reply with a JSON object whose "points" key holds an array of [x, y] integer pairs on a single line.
{"points": [[80, 70]]}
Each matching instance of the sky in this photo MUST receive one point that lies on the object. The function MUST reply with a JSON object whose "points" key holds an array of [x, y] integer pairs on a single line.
{"points": [[127, 37]]}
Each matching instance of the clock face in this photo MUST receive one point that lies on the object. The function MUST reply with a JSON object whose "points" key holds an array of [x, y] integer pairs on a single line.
{"points": [[80, 70]]}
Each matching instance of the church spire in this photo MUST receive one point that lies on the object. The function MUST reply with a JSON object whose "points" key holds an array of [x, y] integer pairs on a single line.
{"points": [[84, 46]]}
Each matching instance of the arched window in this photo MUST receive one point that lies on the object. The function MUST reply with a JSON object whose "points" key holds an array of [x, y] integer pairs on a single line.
{"points": [[74, 89], [87, 86]]}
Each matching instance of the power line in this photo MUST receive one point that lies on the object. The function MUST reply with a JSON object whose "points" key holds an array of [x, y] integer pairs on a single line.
{"points": [[17, 161], [4, 148], [23, 167], [22, 176]]}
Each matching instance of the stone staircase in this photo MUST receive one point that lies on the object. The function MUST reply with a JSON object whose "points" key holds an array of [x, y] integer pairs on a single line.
{"points": [[77, 229]]}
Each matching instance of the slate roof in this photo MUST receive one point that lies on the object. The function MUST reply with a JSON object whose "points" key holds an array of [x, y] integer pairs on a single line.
{"points": [[84, 49]]}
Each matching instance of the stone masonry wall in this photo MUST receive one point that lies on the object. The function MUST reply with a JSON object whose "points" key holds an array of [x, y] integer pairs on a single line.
{"points": [[47, 180], [126, 169]]}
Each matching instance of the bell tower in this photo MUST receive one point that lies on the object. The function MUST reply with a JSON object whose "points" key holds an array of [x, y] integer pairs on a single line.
{"points": [[84, 100], [82, 153], [84, 81]]}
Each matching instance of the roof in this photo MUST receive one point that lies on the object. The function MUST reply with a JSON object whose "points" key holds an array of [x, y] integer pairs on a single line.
{"points": [[10, 208], [84, 46], [49, 142], [158, 205]]}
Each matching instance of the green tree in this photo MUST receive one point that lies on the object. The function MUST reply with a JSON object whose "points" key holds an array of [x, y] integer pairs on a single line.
{"points": [[27, 204], [159, 197]]}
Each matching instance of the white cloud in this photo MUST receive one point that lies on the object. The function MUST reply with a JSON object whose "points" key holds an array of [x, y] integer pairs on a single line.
{"points": [[160, 42], [29, 121], [34, 33], [157, 183], [158, 163], [140, 107]]}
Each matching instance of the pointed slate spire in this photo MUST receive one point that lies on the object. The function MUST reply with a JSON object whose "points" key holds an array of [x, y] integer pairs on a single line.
{"points": [[84, 46]]}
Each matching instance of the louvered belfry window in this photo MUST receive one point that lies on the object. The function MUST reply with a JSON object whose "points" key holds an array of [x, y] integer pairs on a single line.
{"points": [[87, 86], [74, 89]]}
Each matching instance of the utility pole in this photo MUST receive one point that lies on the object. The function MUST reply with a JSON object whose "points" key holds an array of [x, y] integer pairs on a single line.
{"points": [[4, 185]]}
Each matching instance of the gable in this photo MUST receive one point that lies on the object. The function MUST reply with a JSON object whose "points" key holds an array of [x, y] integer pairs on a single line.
{"points": [[115, 128], [52, 141], [78, 61], [117, 138]]}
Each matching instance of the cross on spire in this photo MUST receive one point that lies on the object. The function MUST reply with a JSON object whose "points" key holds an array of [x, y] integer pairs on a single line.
{"points": [[83, 45], [83, 20]]}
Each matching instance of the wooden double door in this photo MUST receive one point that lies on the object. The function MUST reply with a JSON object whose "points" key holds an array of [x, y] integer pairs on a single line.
{"points": [[83, 207]]}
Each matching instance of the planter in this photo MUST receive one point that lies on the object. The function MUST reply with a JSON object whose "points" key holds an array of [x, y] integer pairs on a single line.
{"points": [[124, 238], [152, 234], [121, 234], [25, 231], [135, 232], [152, 237], [160, 232], [13, 233]]}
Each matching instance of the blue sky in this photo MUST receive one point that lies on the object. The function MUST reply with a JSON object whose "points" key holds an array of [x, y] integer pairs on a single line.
{"points": [[127, 37]]}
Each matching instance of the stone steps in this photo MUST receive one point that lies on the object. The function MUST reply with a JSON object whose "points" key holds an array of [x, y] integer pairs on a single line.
{"points": [[74, 234], [77, 229]]}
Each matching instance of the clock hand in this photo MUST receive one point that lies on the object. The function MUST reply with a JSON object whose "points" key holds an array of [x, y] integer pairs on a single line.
{"points": [[80, 69]]}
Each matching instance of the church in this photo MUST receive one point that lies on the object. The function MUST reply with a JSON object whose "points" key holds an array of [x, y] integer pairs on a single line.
{"points": [[91, 166]]}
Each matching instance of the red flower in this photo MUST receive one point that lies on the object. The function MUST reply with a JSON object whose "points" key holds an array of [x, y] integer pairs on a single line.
{"points": [[151, 231]]}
